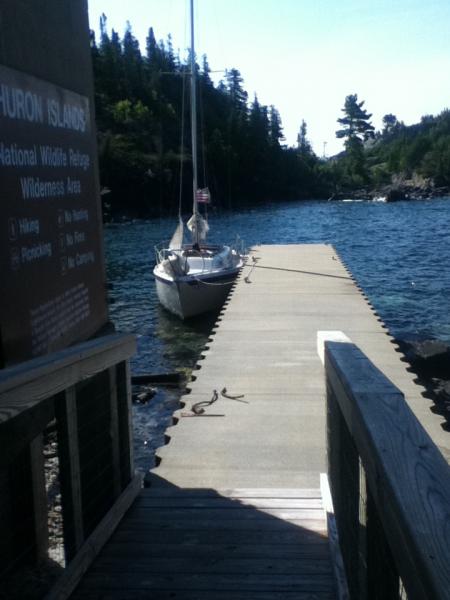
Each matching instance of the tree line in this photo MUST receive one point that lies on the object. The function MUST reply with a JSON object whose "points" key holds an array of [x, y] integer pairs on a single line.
{"points": [[413, 155], [142, 107]]}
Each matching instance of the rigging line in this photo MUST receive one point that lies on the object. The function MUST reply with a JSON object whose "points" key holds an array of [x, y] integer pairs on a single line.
{"points": [[183, 102], [255, 266], [202, 134]]}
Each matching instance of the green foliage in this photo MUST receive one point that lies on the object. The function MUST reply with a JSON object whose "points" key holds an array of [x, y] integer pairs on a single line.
{"points": [[416, 153], [140, 110]]}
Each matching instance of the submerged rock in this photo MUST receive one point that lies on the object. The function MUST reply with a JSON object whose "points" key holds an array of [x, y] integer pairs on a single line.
{"points": [[430, 360]]}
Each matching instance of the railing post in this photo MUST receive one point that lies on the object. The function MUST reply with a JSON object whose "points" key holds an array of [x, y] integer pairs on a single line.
{"points": [[343, 469], [125, 412], [67, 420], [399, 497], [382, 575], [114, 431]]}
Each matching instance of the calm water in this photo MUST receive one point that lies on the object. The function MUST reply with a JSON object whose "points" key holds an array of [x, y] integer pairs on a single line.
{"points": [[399, 253]]}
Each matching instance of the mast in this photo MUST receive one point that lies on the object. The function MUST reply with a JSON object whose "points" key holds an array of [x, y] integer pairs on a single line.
{"points": [[194, 124]]}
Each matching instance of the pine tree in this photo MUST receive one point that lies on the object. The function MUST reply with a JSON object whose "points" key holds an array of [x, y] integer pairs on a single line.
{"points": [[356, 130], [275, 128], [303, 144], [356, 121], [132, 62], [238, 95], [390, 123]]}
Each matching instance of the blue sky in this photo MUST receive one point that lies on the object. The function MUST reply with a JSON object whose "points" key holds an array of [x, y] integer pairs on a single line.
{"points": [[305, 56]]}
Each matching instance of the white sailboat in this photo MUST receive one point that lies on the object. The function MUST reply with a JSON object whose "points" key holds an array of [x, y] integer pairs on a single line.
{"points": [[195, 278]]}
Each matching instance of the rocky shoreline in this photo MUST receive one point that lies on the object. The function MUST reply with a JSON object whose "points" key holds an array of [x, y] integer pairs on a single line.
{"points": [[395, 192], [430, 361]]}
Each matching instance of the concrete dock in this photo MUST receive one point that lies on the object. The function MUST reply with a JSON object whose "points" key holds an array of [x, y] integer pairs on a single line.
{"points": [[265, 347], [245, 473]]}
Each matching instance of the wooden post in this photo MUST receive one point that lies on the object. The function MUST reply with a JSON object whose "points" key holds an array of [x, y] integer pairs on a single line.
{"points": [[129, 406], [125, 413], [66, 414], [343, 467], [383, 581], [114, 431]]}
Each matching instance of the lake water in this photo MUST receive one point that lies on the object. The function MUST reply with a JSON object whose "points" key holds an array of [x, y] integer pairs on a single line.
{"points": [[398, 252]]}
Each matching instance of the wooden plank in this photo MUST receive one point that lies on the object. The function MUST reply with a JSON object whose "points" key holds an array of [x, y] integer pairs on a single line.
{"points": [[237, 493], [316, 525], [287, 536], [196, 546], [407, 475], [231, 504], [150, 515], [203, 565], [164, 379], [92, 546], [129, 580], [23, 386]]}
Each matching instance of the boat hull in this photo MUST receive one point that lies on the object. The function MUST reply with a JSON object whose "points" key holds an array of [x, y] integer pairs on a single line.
{"points": [[188, 297]]}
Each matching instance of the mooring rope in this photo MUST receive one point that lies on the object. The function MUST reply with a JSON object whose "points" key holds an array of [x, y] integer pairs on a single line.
{"points": [[198, 409], [238, 397], [247, 277], [211, 282]]}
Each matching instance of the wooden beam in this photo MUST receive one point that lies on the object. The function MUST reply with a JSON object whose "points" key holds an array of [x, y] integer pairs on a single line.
{"points": [[337, 561], [408, 477], [16, 434], [23, 386]]}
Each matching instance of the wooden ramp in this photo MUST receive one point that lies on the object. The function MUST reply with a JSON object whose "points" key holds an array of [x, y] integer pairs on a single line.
{"points": [[263, 437], [198, 544]]}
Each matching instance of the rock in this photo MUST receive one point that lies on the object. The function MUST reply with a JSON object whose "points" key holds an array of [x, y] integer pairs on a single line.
{"points": [[428, 358], [395, 194], [147, 392], [442, 390]]}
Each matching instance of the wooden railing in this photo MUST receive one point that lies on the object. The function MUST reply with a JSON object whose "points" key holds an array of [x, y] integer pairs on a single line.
{"points": [[389, 482], [66, 463]]}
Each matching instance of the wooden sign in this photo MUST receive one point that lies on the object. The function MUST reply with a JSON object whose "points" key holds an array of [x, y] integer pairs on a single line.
{"points": [[51, 261]]}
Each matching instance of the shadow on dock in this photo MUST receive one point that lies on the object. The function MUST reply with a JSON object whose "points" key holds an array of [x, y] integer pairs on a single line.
{"points": [[205, 544]]}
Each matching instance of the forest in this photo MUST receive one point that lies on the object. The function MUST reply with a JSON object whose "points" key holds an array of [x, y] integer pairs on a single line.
{"points": [[142, 107]]}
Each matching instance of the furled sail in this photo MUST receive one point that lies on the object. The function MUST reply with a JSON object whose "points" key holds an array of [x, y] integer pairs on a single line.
{"points": [[177, 239], [198, 226]]}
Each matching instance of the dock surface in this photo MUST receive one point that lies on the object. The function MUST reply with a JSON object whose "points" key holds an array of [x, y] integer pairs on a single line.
{"points": [[234, 510]]}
